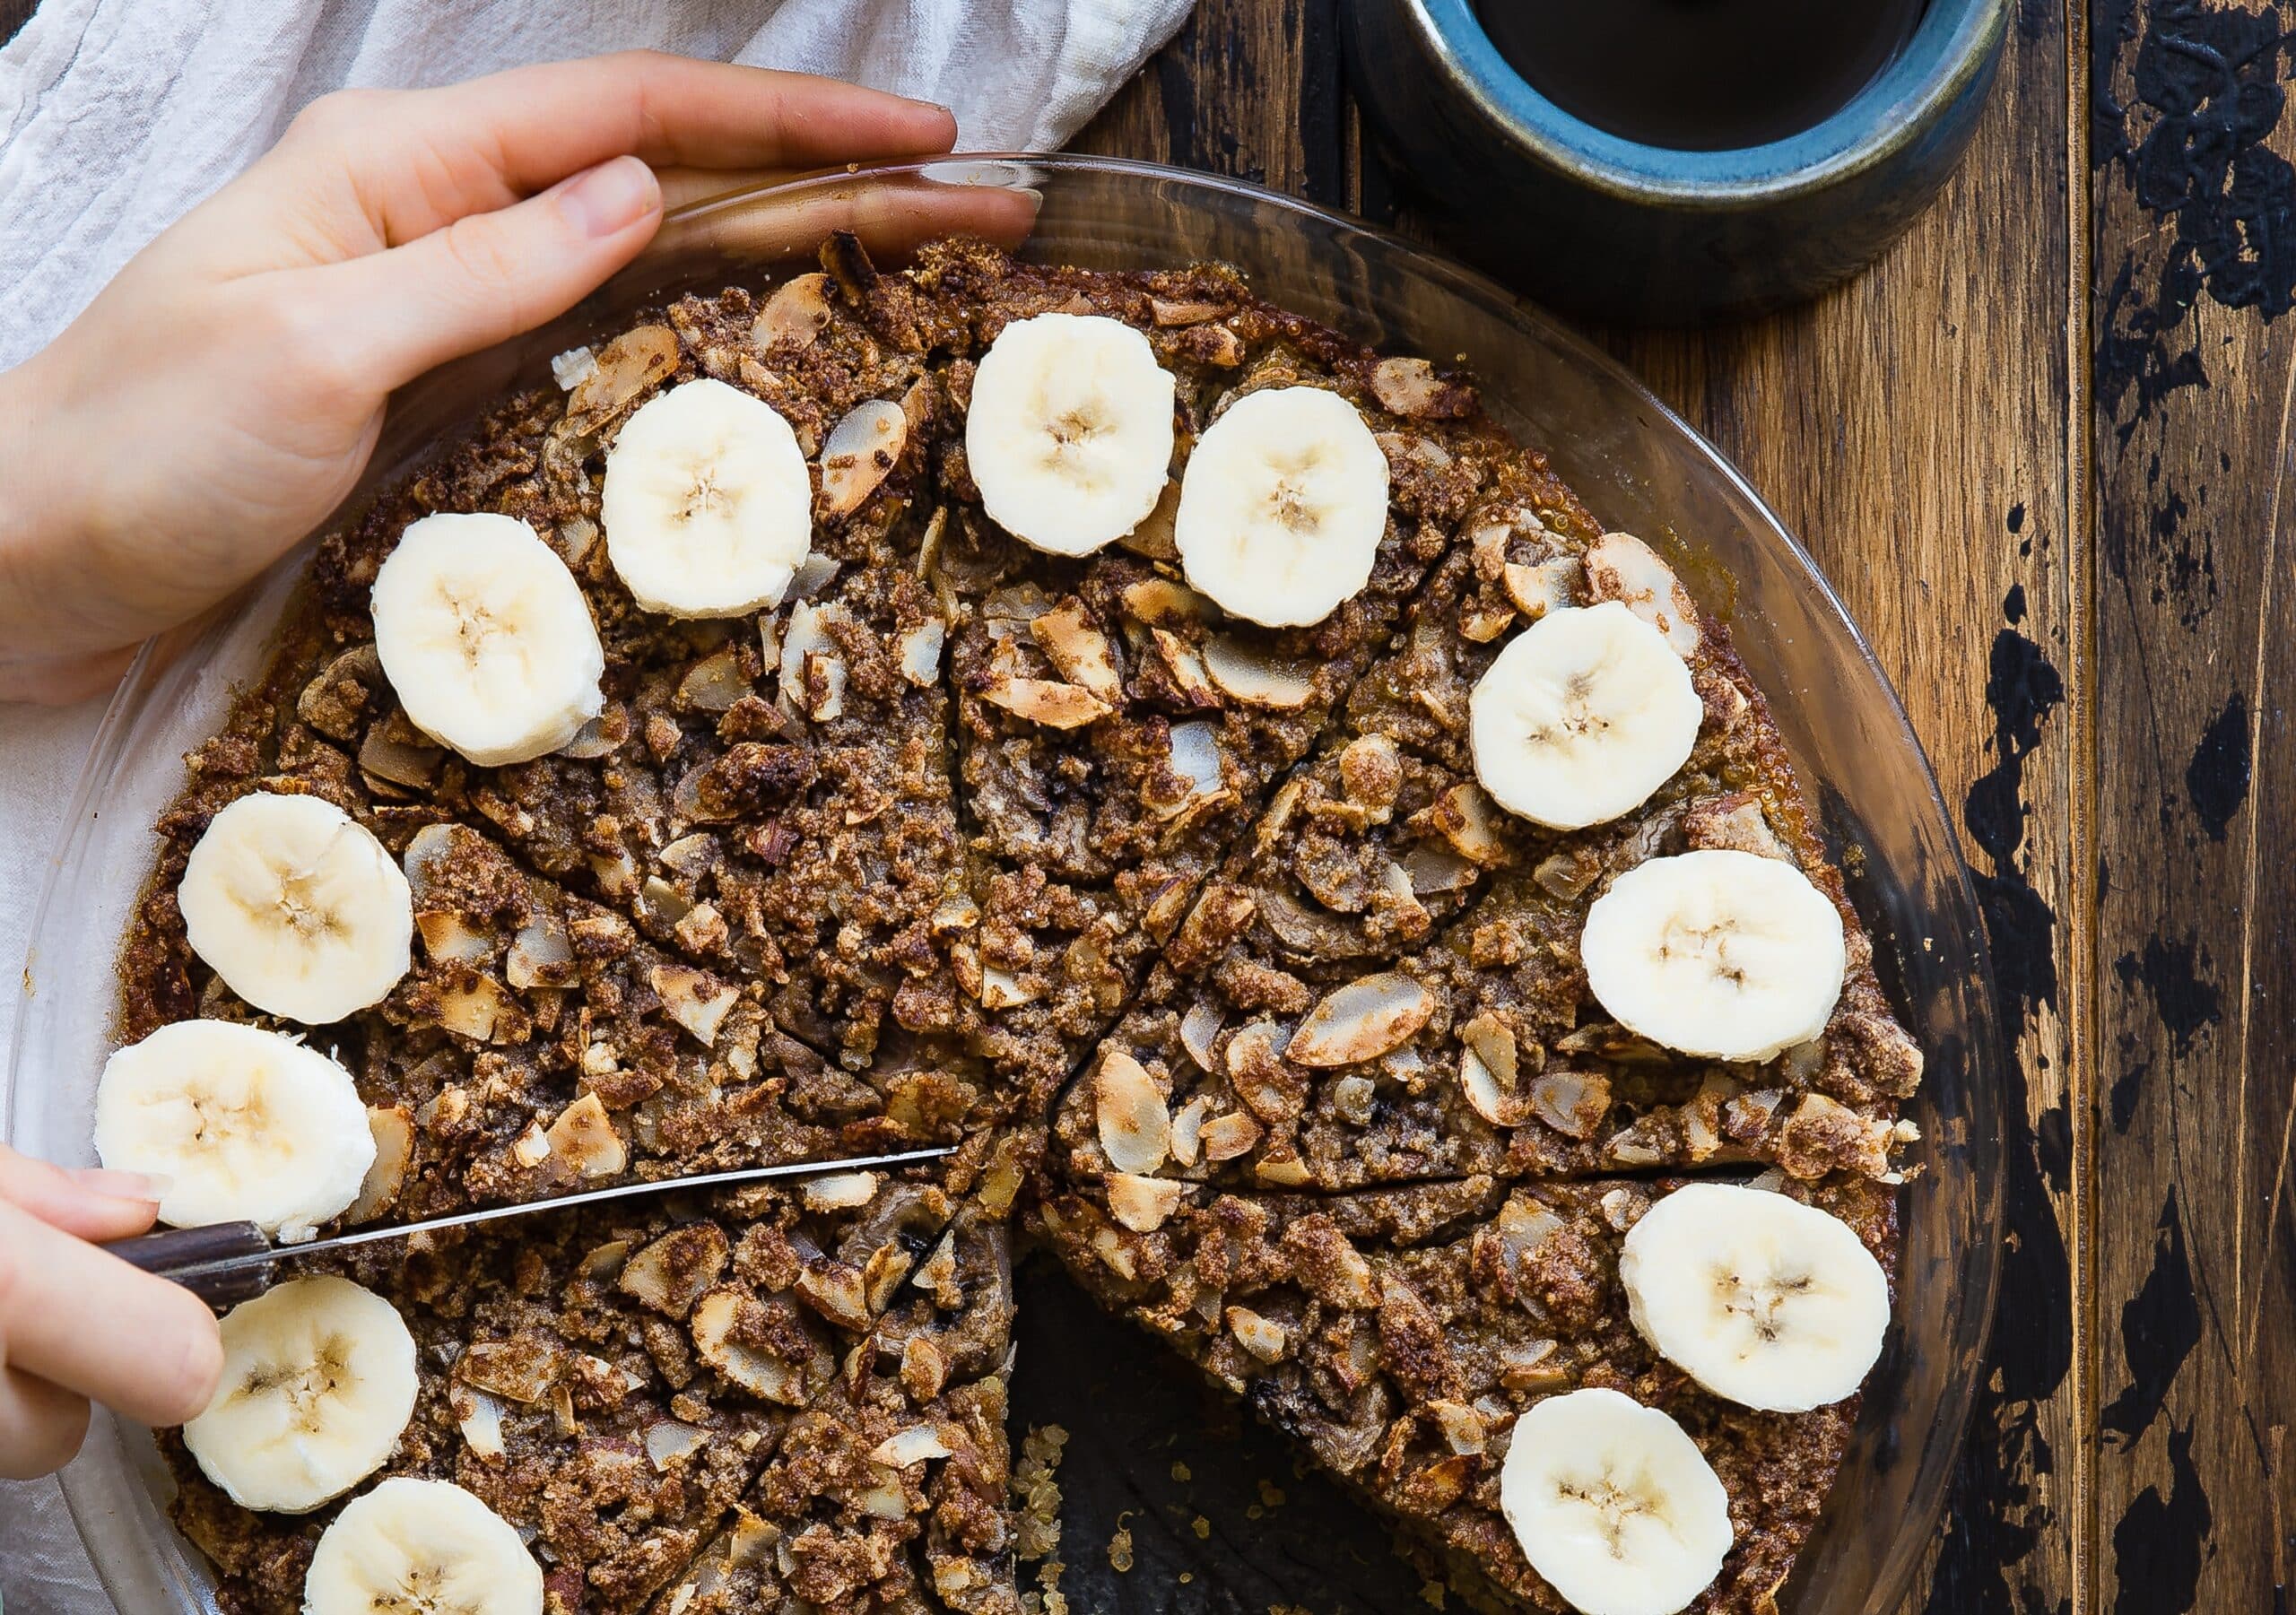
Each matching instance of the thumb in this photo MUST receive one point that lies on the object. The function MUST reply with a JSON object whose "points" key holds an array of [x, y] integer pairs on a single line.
{"points": [[489, 276]]}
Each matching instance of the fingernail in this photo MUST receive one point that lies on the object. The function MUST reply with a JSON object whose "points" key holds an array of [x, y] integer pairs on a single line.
{"points": [[611, 197], [121, 1185]]}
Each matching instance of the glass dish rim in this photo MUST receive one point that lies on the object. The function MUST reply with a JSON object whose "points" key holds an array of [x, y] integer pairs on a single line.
{"points": [[1949, 1429]]}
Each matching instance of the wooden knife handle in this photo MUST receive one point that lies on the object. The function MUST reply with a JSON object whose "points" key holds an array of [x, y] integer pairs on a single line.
{"points": [[180, 1254]]}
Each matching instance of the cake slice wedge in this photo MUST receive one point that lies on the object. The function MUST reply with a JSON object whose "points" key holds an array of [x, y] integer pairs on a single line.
{"points": [[1401, 1334]]}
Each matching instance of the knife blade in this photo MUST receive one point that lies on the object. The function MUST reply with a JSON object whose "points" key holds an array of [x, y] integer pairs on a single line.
{"points": [[226, 1263]]}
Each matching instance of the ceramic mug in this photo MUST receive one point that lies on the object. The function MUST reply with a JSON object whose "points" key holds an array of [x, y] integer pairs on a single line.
{"points": [[1609, 227]]}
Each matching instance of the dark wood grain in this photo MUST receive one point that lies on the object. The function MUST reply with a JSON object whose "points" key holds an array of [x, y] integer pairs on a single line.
{"points": [[2194, 218], [13, 15], [1924, 429]]}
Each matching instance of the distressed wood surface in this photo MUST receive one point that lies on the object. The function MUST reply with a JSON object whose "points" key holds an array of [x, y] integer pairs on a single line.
{"points": [[1926, 431]]}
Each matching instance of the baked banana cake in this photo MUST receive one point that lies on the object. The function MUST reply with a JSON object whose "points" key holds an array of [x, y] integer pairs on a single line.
{"points": [[1349, 906]]}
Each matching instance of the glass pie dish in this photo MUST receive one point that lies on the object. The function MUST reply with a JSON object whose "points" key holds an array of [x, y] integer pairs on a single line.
{"points": [[1635, 465]]}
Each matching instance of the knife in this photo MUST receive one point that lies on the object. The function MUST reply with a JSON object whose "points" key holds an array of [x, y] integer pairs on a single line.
{"points": [[225, 1263]]}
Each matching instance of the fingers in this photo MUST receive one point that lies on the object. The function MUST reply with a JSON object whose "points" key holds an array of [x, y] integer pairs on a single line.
{"points": [[41, 1425], [88, 1321], [489, 275], [421, 159], [88, 1203]]}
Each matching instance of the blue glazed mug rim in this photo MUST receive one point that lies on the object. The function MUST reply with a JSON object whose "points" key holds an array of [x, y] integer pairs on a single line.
{"points": [[1951, 44]]}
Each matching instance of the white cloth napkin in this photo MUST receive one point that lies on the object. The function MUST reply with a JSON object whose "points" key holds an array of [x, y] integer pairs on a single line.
{"points": [[116, 116]]}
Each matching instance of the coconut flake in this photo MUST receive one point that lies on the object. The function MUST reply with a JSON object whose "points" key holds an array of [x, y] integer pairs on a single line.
{"points": [[572, 368]]}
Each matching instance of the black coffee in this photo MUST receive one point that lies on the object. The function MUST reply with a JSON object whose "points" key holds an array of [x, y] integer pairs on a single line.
{"points": [[1700, 75]]}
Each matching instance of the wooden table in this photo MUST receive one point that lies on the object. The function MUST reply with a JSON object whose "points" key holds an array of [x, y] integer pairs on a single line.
{"points": [[2042, 449]]}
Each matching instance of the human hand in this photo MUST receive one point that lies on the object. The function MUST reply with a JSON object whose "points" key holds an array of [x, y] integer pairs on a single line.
{"points": [[221, 395], [77, 1324]]}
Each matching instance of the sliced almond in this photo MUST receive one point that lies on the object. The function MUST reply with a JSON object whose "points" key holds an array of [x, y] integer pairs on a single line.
{"points": [[795, 315], [1572, 1103], [670, 1273], [1492, 1040], [759, 1373], [1481, 622], [1362, 1021], [1152, 538], [838, 1291], [532, 1146], [1080, 651], [1262, 1337], [583, 1137], [1188, 1130], [916, 1444], [541, 955], [1142, 1204], [473, 1008], [813, 667], [716, 683], [1162, 603], [1199, 1030], [1226, 1137], [694, 999], [1043, 702], [1167, 311], [1465, 818], [1136, 1129], [479, 1417], [626, 367], [1484, 1095], [1623, 567], [1196, 759], [524, 1370], [1004, 990], [862, 449], [1188, 668], [669, 1443], [841, 1191], [1408, 387], [393, 1127], [1542, 587], [1254, 677], [920, 653]]}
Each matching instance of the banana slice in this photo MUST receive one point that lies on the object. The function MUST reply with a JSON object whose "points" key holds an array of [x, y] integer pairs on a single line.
{"points": [[1069, 435], [1771, 1303], [485, 638], [1723, 954], [420, 1547], [1614, 1504], [245, 1126], [707, 506], [318, 1382], [1282, 506], [297, 908], [1581, 716]]}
